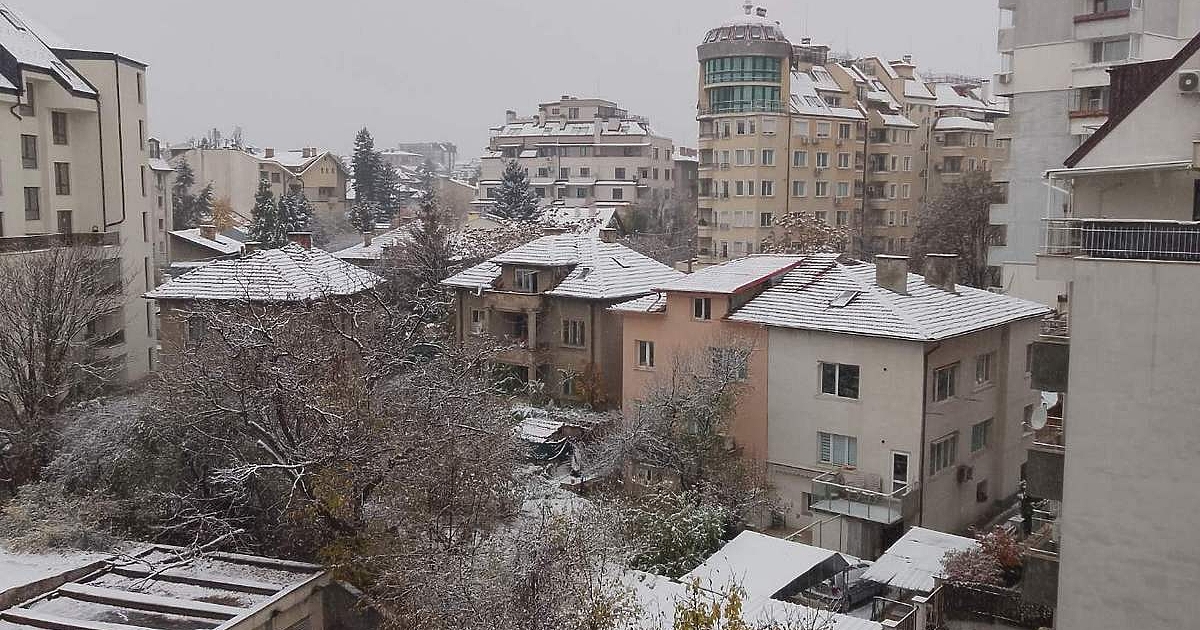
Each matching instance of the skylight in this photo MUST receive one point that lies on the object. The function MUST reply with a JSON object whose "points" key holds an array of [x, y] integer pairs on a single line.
{"points": [[844, 299]]}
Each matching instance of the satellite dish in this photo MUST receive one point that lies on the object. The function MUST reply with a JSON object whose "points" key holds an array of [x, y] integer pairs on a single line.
{"points": [[1038, 420]]}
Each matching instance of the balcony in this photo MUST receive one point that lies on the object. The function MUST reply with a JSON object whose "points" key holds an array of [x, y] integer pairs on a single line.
{"points": [[1005, 39], [1123, 239], [1044, 461], [1039, 580], [33, 242], [742, 107], [1096, 16], [522, 354], [832, 495], [512, 302]]}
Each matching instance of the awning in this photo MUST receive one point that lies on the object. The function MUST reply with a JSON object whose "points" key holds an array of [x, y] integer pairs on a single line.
{"points": [[1069, 173]]}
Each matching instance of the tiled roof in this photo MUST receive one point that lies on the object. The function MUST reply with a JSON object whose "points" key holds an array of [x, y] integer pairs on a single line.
{"points": [[288, 274], [374, 251], [653, 303], [913, 562], [600, 271], [19, 39], [222, 244], [734, 275], [803, 300]]}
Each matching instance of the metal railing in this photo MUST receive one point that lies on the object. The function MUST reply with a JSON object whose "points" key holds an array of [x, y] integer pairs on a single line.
{"points": [[1124, 239], [1056, 326], [1052, 435], [14, 244], [831, 495], [739, 107], [903, 615]]}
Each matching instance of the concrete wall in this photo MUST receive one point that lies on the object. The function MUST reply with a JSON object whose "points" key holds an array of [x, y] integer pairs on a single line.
{"points": [[1129, 553]]}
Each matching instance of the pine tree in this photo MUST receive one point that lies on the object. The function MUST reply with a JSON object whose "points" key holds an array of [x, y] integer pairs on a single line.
{"points": [[515, 199], [366, 164], [182, 200], [202, 208], [362, 215], [388, 192], [265, 226], [295, 211]]}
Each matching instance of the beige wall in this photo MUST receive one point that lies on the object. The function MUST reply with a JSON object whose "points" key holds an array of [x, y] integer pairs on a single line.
{"points": [[680, 338]]}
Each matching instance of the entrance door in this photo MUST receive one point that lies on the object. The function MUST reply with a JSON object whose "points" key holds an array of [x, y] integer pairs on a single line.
{"points": [[64, 222], [899, 471]]}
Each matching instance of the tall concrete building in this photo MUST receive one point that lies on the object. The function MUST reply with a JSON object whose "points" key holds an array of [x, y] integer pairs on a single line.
{"points": [[581, 152], [860, 143], [1123, 455], [1055, 56], [75, 171]]}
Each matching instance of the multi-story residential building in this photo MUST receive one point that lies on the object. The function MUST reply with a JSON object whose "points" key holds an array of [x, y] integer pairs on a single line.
{"points": [[549, 298], [685, 322], [235, 173], [1123, 361], [1055, 57], [787, 129], [580, 152], [444, 155], [75, 169], [162, 220], [964, 132]]}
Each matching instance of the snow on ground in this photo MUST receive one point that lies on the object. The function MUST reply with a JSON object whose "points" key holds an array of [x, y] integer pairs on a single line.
{"points": [[19, 569]]}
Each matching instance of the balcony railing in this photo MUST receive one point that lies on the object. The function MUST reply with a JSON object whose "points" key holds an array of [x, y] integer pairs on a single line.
{"points": [[1123, 239], [835, 497], [1052, 436], [16, 244], [739, 107]]}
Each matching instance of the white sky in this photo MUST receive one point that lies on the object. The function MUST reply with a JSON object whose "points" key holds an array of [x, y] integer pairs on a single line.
{"points": [[296, 72]]}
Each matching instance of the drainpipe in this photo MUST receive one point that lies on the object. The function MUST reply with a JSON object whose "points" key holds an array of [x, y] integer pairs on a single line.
{"points": [[924, 415], [120, 145]]}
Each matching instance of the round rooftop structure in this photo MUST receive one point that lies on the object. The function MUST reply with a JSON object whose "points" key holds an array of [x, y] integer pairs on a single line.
{"points": [[752, 25]]}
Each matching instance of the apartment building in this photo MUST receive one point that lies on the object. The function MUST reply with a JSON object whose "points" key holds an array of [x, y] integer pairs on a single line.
{"points": [[1055, 57], [75, 171], [786, 128], [580, 152], [549, 300], [964, 132], [235, 173], [1119, 462], [444, 155]]}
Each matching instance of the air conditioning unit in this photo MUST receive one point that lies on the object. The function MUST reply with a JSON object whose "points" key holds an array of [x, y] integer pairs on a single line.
{"points": [[965, 474], [1189, 82]]}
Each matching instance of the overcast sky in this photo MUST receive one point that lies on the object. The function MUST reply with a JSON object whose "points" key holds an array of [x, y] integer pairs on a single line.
{"points": [[294, 73]]}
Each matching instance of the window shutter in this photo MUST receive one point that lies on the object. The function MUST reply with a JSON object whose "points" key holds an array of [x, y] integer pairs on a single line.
{"points": [[826, 448]]}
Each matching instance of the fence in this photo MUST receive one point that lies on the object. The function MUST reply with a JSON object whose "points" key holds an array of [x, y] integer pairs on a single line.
{"points": [[966, 601], [1123, 239]]}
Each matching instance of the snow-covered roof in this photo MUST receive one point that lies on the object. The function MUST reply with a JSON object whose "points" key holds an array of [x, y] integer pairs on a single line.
{"points": [[804, 300], [898, 120], [221, 245], [915, 88], [913, 562], [288, 274], [762, 565], [374, 251], [19, 569], [555, 128], [600, 271], [19, 39], [965, 97], [584, 219], [653, 303], [537, 429], [960, 123], [733, 276], [159, 164]]}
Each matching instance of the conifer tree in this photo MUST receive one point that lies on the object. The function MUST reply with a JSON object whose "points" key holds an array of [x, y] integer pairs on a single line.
{"points": [[366, 164], [362, 215], [515, 199], [182, 201], [265, 226], [295, 211], [202, 205]]}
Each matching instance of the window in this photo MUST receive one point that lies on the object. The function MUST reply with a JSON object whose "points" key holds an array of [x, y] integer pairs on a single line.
{"points": [[741, 127], [27, 108], [62, 178], [539, 192], [739, 188], [276, 178], [573, 113], [585, 171], [842, 217], [839, 450], [141, 89], [822, 189], [823, 129], [899, 471], [981, 492], [29, 153], [1110, 50], [799, 187], [141, 135], [645, 350], [905, 191], [477, 319], [766, 219], [800, 128], [702, 308], [767, 188], [843, 190], [843, 160], [944, 380], [980, 433], [142, 175], [618, 194], [768, 157], [943, 453], [572, 333], [908, 163], [581, 193], [543, 172], [984, 364], [526, 280], [904, 216], [489, 193], [800, 158], [58, 127], [822, 159], [619, 173], [844, 130], [839, 379], [33, 204], [821, 216]]}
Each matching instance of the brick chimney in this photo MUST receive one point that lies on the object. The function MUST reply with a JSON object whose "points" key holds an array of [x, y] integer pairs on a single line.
{"points": [[208, 231], [268, 152], [891, 273], [367, 238], [303, 239], [608, 235], [941, 271], [249, 247]]}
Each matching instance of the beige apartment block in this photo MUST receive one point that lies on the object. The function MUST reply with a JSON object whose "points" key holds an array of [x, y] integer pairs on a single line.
{"points": [[1119, 461], [582, 152], [74, 167], [787, 128]]}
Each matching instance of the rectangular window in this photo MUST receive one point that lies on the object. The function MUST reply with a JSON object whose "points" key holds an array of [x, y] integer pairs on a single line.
{"points": [[477, 319], [823, 129], [766, 219], [799, 158], [766, 188], [799, 188], [619, 173], [821, 216], [573, 333], [839, 380], [564, 173], [142, 174], [843, 217], [702, 308], [58, 127], [62, 178], [65, 222], [944, 382], [1109, 50], [844, 130], [843, 190], [843, 160], [581, 193], [943, 453], [822, 159], [29, 151], [526, 280], [645, 350], [739, 188], [141, 89], [822, 189], [768, 157], [618, 194], [899, 471], [984, 364], [908, 163], [839, 450], [905, 191], [800, 128], [141, 135], [980, 434], [33, 204]]}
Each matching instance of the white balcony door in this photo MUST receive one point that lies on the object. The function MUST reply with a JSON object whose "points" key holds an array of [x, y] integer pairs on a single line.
{"points": [[899, 471]]}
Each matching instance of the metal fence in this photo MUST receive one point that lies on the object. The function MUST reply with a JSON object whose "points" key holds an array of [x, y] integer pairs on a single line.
{"points": [[1123, 239]]}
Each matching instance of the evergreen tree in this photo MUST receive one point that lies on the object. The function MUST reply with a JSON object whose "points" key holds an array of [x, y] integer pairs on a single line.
{"points": [[515, 199], [366, 164], [265, 226], [202, 205], [388, 193], [295, 211], [182, 200], [362, 215]]}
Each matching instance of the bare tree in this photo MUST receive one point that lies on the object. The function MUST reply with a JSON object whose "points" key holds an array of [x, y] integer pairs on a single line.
{"points": [[802, 233], [959, 222], [663, 229], [51, 302]]}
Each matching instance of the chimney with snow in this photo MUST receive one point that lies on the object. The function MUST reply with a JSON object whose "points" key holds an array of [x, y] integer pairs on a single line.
{"points": [[268, 152], [941, 271], [608, 235], [891, 273], [303, 239], [510, 116], [208, 231]]}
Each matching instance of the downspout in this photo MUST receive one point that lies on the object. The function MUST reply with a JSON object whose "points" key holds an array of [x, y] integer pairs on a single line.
{"points": [[924, 415], [120, 147]]}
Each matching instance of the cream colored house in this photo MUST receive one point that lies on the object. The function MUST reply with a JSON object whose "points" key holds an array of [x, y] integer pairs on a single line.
{"points": [[581, 152], [893, 400], [75, 169], [1123, 457]]}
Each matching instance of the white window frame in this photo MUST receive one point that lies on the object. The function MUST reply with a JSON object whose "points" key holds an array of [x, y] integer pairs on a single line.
{"points": [[837, 379], [521, 280], [799, 159], [943, 453], [645, 354], [799, 188], [702, 309], [835, 449], [945, 382], [981, 435], [985, 368]]}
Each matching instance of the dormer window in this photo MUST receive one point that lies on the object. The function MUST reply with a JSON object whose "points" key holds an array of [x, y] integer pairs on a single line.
{"points": [[526, 280]]}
